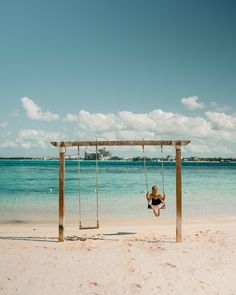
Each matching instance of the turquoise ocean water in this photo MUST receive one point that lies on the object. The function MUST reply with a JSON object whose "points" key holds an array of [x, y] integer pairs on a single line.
{"points": [[29, 190]]}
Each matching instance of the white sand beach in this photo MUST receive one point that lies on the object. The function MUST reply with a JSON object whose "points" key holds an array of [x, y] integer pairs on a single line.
{"points": [[119, 259]]}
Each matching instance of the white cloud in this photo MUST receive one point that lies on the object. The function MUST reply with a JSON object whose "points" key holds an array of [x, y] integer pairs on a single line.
{"points": [[221, 121], [212, 147], [71, 118], [8, 144], [34, 134], [192, 103], [3, 125], [37, 138], [31, 138], [34, 111]]}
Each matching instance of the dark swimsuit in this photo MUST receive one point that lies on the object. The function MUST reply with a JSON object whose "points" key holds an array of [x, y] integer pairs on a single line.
{"points": [[156, 202]]}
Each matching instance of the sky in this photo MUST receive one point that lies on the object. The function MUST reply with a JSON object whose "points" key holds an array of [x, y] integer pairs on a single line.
{"points": [[109, 69]]}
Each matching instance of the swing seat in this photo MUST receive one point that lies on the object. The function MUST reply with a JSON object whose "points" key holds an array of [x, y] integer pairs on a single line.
{"points": [[89, 227], [163, 207]]}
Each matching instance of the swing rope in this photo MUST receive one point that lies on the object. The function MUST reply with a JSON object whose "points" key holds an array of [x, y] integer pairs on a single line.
{"points": [[79, 202], [145, 169], [162, 171], [97, 183], [79, 193]]}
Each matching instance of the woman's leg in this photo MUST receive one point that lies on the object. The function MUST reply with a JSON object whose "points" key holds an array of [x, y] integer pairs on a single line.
{"points": [[156, 212]]}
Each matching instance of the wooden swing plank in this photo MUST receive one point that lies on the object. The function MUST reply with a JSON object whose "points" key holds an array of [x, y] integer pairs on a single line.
{"points": [[89, 227]]}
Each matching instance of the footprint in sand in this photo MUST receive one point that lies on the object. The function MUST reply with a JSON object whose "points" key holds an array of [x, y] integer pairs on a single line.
{"points": [[131, 269], [170, 265], [156, 248], [135, 286]]}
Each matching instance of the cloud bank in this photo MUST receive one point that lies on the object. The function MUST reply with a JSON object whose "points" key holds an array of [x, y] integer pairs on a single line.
{"points": [[214, 132], [211, 133], [155, 124], [31, 138], [34, 111]]}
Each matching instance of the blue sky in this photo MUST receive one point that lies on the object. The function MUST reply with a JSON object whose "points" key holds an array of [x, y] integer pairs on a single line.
{"points": [[117, 70]]}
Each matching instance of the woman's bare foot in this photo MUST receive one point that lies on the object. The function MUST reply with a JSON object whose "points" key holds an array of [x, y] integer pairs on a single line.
{"points": [[157, 214]]}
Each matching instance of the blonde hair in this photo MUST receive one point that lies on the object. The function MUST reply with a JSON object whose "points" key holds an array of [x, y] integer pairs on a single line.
{"points": [[156, 185]]}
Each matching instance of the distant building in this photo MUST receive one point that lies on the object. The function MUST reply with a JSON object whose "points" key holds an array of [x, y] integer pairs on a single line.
{"points": [[194, 159], [116, 158], [104, 153], [169, 158], [91, 156]]}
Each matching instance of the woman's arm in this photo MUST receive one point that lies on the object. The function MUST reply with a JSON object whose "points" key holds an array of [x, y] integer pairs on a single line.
{"points": [[148, 197], [163, 197]]}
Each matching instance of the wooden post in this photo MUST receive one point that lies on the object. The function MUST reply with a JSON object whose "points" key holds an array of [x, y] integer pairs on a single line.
{"points": [[178, 195], [61, 194]]}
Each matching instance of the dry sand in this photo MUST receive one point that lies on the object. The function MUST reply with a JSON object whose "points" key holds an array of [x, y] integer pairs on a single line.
{"points": [[119, 259]]}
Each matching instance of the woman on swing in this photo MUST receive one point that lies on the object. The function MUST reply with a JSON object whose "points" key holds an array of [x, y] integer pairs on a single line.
{"points": [[157, 200]]}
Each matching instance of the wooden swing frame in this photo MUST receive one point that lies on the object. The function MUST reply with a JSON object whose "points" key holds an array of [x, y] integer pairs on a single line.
{"points": [[178, 144]]}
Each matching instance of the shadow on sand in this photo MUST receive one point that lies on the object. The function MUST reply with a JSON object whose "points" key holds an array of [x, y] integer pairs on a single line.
{"points": [[32, 239]]}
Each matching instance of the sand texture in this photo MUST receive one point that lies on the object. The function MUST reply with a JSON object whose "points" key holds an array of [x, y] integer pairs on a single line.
{"points": [[119, 259]]}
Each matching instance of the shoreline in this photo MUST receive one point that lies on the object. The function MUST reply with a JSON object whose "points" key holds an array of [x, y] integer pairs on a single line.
{"points": [[150, 220], [213, 160]]}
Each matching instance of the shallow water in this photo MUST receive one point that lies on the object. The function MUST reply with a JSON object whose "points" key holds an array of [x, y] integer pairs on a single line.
{"points": [[29, 190]]}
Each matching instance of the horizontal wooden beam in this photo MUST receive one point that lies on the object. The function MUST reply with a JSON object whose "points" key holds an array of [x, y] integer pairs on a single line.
{"points": [[120, 143]]}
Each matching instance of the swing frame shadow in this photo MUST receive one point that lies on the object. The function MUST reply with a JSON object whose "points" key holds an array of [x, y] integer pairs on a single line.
{"points": [[177, 144]]}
